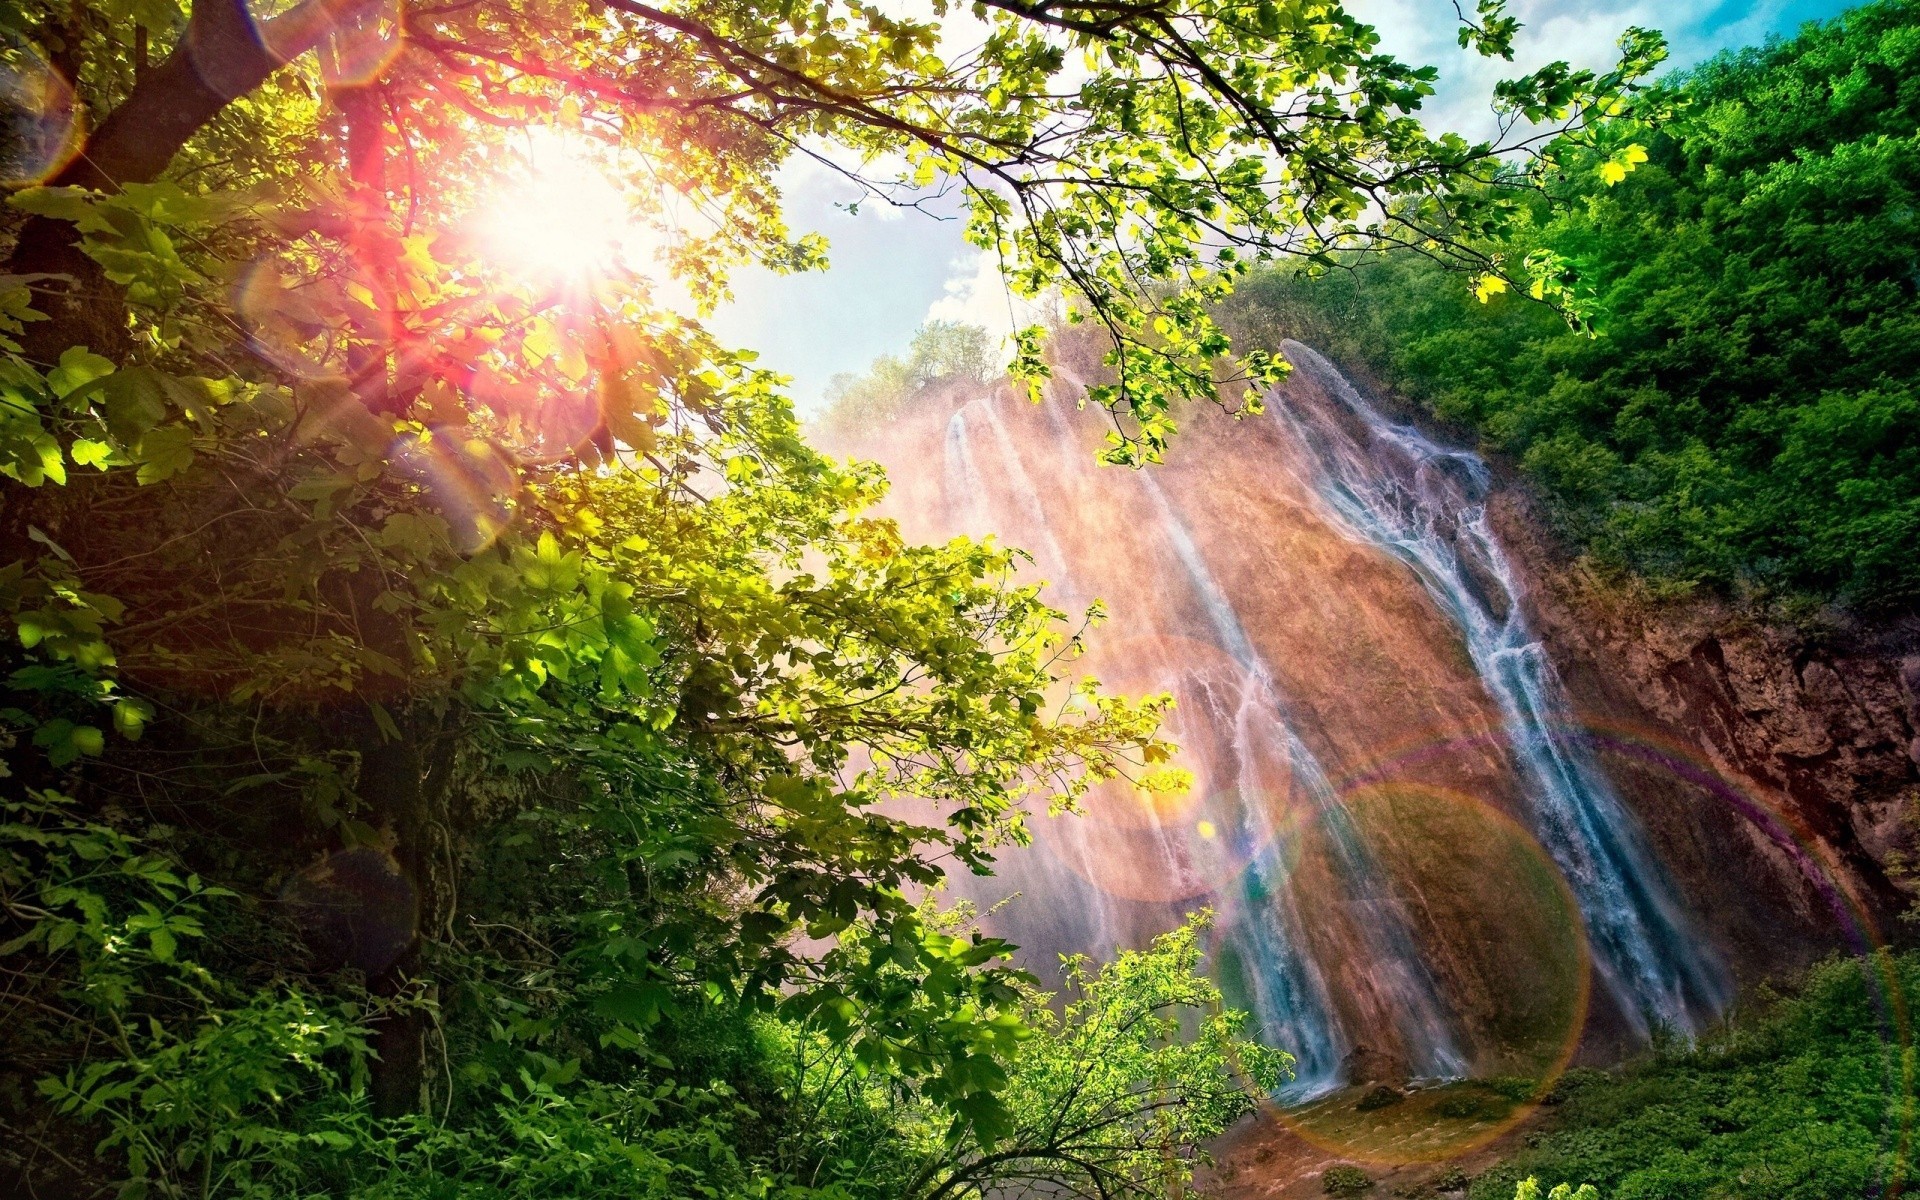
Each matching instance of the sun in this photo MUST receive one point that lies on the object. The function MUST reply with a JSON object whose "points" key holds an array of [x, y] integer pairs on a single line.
{"points": [[558, 213]]}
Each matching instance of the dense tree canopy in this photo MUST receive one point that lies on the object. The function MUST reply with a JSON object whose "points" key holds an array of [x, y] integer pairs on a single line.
{"points": [[461, 739], [941, 350], [1748, 418]]}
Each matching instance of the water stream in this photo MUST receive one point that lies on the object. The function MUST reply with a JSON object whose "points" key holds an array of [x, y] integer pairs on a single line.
{"points": [[1390, 486], [1314, 933], [1290, 994]]}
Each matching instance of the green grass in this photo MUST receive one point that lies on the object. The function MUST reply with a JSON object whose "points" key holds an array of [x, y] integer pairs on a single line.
{"points": [[1801, 1099]]}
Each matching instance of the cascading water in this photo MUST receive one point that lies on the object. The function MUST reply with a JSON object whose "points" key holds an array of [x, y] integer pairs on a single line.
{"points": [[965, 493], [1404, 990], [1389, 486], [1289, 991], [1049, 556], [1087, 923], [1364, 712], [1242, 707]]}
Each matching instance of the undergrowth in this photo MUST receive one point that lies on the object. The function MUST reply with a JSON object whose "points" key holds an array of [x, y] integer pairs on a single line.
{"points": [[1806, 1097]]}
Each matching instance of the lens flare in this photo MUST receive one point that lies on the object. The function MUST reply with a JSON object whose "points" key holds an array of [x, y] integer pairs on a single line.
{"points": [[1767, 817], [1476, 868], [535, 421], [283, 325], [1160, 846], [39, 122], [469, 480], [561, 215], [361, 49]]}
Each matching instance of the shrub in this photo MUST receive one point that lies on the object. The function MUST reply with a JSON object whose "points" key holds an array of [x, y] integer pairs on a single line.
{"points": [[1460, 1106], [1514, 1088], [1344, 1180], [1750, 422]]}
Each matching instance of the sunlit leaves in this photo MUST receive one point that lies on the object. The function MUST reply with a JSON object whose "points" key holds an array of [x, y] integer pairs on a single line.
{"points": [[1737, 427], [1620, 162], [65, 741], [1122, 1076]]}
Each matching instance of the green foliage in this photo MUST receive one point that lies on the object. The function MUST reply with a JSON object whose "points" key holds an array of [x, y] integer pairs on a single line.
{"points": [[1516, 1088], [1137, 158], [571, 634], [1462, 1105], [198, 1077], [1344, 1179], [1747, 418], [1112, 1086], [940, 351], [1804, 1100], [236, 1093], [1529, 1189]]}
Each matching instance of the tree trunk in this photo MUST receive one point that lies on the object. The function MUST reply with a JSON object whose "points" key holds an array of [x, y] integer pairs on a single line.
{"points": [[224, 55], [392, 784]]}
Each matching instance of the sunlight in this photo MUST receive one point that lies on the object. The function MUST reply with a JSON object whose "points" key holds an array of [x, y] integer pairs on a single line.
{"points": [[561, 214]]}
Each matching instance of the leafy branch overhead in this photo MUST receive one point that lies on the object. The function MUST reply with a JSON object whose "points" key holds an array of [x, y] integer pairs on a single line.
{"points": [[1136, 156]]}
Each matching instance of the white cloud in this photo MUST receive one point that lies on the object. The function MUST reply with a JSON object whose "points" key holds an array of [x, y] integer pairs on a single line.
{"points": [[1582, 33], [977, 294]]}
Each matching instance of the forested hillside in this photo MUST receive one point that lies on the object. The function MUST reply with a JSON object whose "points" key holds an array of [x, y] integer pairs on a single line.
{"points": [[1746, 417]]}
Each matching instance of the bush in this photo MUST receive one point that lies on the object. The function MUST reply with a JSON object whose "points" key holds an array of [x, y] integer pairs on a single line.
{"points": [[1460, 1106], [1344, 1180]]}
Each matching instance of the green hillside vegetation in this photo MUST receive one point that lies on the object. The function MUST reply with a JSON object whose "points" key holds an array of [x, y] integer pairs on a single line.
{"points": [[1747, 419], [1808, 1097], [939, 351], [458, 734]]}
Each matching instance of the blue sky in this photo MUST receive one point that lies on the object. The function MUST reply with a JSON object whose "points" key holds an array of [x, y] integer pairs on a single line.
{"points": [[891, 271]]}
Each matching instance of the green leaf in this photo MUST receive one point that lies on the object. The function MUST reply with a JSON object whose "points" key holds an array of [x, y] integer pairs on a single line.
{"points": [[78, 368], [164, 452], [60, 203], [383, 720], [86, 452], [637, 1004], [65, 741], [133, 402], [1623, 161], [35, 533], [130, 717]]}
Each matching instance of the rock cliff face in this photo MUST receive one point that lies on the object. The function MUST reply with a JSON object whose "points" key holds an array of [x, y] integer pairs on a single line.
{"points": [[1794, 814], [1459, 806]]}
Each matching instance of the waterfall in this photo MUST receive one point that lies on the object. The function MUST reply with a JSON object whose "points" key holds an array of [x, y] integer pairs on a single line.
{"points": [[966, 496], [1313, 933], [1389, 486], [1088, 923], [1051, 560], [1403, 988], [1244, 716]]}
